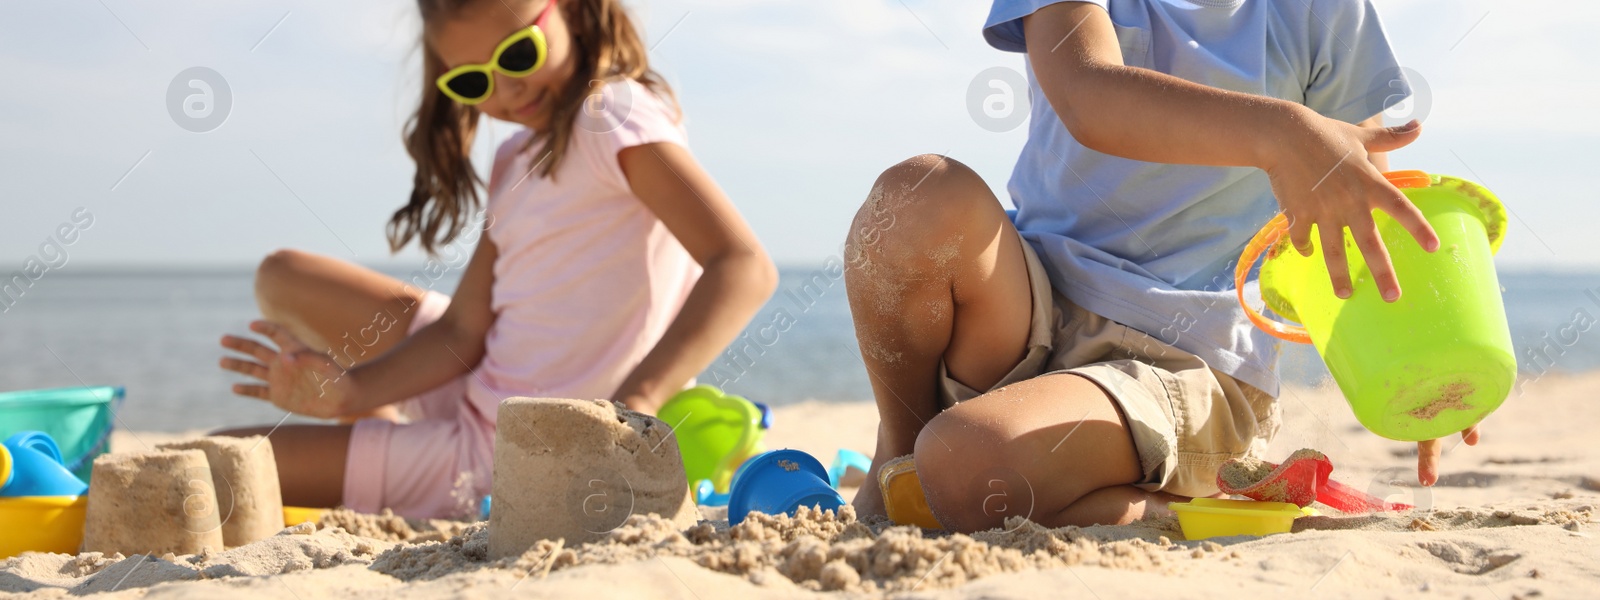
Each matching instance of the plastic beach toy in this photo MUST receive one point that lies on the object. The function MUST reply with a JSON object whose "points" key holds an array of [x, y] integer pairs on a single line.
{"points": [[715, 431], [845, 460], [1303, 480], [1203, 518], [706, 494], [780, 482], [903, 498], [30, 465], [295, 515], [79, 419], [41, 524], [1428, 365], [41, 502]]}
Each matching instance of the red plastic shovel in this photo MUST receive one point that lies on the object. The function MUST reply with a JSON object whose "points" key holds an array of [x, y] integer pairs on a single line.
{"points": [[1301, 481]]}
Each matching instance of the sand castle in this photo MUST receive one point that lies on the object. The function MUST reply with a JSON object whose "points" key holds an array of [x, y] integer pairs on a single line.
{"points": [[183, 497], [245, 477], [151, 503], [577, 469]]}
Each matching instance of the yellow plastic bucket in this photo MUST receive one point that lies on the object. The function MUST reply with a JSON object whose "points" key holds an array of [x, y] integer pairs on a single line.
{"points": [[1428, 365], [41, 524]]}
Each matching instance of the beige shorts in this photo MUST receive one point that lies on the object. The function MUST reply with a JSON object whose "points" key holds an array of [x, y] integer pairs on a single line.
{"points": [[1186, 419]]}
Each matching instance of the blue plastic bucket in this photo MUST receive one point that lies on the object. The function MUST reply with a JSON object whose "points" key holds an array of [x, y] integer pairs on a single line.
{"points": [[780, 482], [79, 419]]}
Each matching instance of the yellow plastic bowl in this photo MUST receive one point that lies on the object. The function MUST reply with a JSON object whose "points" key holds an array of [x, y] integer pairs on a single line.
{"points": [[1203, 518], [41, 524], [295, 515]]}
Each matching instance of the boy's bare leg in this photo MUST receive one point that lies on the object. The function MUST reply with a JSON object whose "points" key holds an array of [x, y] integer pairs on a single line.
{"points": [[1054, 449], [934, 271]]}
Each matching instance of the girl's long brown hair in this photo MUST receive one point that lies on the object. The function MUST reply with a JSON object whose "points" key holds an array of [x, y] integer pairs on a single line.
{"points": [[444, 192]]}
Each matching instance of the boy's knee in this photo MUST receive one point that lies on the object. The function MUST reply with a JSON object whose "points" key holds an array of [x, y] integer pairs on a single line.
{"points": [[924, 200], [952, 456], [922, 169], [963, 467]]}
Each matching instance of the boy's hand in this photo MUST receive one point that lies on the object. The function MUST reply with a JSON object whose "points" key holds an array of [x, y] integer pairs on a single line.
{"points": [[1428, 456], [1321, 175], [294, 377]]}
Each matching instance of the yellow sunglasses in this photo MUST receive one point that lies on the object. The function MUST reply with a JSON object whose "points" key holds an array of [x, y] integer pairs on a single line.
{"points": [[522, 53]]}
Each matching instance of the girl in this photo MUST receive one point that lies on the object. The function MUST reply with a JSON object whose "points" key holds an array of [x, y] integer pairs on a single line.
{"points": [[1076, 363], [611, 266]]}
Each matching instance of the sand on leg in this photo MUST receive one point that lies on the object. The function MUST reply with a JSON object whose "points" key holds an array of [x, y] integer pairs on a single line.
{"points": [[311, 461], [1054, 449], [934, 271]]}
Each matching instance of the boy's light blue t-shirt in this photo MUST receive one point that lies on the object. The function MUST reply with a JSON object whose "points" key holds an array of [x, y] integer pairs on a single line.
{"points": [[1153, 246]]}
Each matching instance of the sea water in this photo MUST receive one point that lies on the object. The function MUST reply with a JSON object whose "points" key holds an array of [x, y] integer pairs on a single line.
{"points": [[156, 332]]}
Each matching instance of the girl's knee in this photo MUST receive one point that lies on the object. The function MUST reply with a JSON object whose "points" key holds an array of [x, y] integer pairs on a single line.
{"points": [[279, 270]]}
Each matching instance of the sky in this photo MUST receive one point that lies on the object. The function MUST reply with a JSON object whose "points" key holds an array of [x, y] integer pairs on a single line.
{"points": [[794, 107]]}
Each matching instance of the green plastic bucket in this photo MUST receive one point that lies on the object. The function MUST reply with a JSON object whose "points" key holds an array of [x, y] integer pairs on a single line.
{"points": [[1428, 365], [79, 419]]}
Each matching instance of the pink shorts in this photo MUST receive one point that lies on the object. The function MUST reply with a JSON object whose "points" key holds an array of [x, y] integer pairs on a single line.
{"points": [[431, 466]]}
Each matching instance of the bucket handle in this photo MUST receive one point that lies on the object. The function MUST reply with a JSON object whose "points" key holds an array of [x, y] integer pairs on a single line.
{"points": [[1274, 231], [1269, 235]]}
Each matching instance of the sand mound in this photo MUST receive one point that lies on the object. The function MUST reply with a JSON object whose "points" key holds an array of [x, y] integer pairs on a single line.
{"points": [[816, 550], [826, 551], [299, 548], [1568, 515], [390, 527]]}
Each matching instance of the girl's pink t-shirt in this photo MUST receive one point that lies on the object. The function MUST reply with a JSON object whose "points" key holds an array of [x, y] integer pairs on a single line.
{"points": [[587, 278], [586, 282]]}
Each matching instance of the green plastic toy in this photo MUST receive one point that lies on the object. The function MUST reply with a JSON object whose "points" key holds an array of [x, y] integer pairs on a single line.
{"points": [[716, 432], [1428, 365]]}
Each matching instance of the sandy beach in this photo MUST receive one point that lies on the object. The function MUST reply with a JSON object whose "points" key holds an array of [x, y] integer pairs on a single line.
{"points": [[1513, 517]]}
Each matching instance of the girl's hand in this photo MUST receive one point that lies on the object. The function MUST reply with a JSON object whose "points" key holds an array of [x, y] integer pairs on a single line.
{"points": [[294, 377], [1321, 175], [1428, 456]]}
